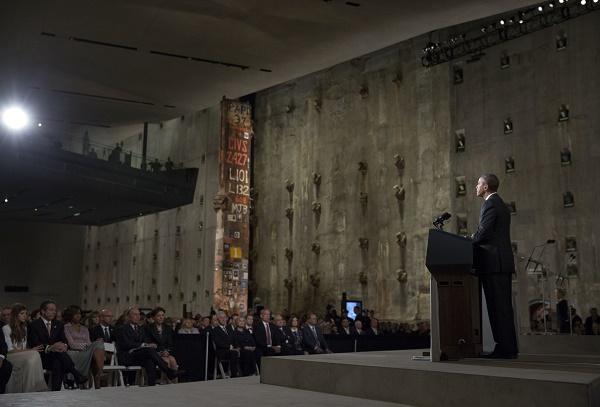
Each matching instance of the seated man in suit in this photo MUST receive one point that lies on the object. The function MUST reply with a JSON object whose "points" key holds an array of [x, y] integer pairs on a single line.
{"points": [[104, 330], [345, 329], [5, 366], [224, 345], [263, 336], [374, 329], [133, 349], [357, 329], [314, 342], [50, 333]]}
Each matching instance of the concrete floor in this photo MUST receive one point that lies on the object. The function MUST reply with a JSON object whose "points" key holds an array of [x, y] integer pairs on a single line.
{"points": [[242, 392]]}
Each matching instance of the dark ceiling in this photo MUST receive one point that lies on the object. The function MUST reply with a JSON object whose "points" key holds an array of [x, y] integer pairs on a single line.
{"points": [[116, 62]]}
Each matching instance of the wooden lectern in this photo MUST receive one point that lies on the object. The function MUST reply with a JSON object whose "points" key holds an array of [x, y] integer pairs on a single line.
{"points": [[455, 297]]}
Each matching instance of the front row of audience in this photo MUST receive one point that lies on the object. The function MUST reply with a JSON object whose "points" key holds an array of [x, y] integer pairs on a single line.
{"points": [[44, 352]]}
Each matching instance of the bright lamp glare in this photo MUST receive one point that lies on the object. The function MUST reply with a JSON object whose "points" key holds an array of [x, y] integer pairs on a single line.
{"points": [[15, 118]]}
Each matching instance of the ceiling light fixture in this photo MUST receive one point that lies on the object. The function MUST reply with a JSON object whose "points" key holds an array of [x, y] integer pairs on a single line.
{"points": [[15, 118]]}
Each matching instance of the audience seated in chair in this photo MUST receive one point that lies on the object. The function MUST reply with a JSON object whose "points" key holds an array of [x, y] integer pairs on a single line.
{"points": [[187, 327], [295, 332], [27, 371], [224, 345], [314, 342], [283, 337], [133, 348], [85, 354], [243, 341], [263, 336], [50, 334], [5, 367], [161, 334]]}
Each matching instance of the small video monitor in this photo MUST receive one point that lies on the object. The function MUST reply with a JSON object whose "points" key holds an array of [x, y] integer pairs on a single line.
{"points": [[350, 304]]}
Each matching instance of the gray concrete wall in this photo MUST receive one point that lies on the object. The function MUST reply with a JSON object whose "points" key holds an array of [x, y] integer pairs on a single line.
{"points": [[47, 258], [373, 108], [167, 258]]}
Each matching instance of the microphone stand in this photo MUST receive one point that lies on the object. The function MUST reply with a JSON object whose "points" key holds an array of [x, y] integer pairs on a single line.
{"points": [[542, 274]]}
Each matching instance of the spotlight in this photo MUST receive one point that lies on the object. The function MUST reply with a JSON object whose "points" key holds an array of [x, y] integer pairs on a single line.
{"points": [[595, 1], [502, 22], [583, 2], [40, 124], [5, 200], [540, 9], [15, 118], [561, 1], [551, 5]]}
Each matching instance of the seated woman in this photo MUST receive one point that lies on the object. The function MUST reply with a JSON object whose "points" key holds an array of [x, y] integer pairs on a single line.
{"points": [[296, 333], [187, 327], [161, 334], [244, 342], [81, 349], [28, 373]]}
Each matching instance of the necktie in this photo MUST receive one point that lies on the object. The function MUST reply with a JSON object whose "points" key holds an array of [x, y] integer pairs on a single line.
{"points": [[268, 332], [49, 327], [106, 334], [314, 331]]}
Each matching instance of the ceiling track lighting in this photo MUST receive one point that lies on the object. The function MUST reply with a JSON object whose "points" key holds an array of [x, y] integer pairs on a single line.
{"points": [[510, 27]]}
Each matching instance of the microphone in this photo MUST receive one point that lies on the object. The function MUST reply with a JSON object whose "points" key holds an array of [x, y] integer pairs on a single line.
{"points": [[442, 218]]}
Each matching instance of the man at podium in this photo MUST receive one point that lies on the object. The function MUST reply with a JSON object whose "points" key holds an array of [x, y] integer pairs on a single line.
{"points": [[495, 265]]}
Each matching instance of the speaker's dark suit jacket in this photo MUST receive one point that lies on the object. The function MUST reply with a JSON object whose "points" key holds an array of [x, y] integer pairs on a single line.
{"points": [[493, 249], [495, 264]]}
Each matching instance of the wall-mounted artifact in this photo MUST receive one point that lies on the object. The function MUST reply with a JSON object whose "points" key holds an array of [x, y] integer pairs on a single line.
{"points": [[568, 200], [363, 198], [363, 243], [289, 213], [458, 75], [570, 244], [461, 186], [508, 126], [289, 254], [563, 113], [316, 208], [504, 60], [509, 165], [314, 280], [462, 225], [561, 41], [364, 92], [316, 248], [289, 186], [399, 192], [363, 167], [316, 178], [317, 105], [399, 163], [363, 278], [565, 157], [401, 239], [401, 276], [460, 140]]}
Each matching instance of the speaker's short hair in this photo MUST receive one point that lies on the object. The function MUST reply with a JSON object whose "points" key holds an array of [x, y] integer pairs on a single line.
{"points": [[492, 181]]}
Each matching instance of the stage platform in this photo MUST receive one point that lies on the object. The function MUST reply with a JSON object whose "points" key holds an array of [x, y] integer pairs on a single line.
{"points": [[531, 380], [243, 392]]}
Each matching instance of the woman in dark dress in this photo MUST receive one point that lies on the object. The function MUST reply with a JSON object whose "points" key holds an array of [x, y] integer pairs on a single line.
{"points": [[161, 334], [243, 341], [295, 332]]}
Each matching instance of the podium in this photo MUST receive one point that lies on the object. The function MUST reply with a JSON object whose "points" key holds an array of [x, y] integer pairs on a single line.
{"points": [[455, 297]]}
